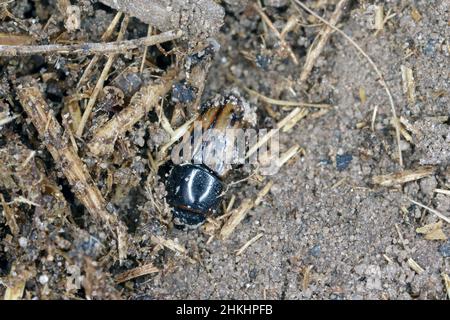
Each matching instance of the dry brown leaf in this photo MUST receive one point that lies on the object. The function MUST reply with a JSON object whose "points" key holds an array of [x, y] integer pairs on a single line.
{"points": [[432, 231]]}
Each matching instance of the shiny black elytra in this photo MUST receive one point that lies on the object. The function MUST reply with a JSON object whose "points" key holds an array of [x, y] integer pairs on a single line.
{"points": [[194, 190]]}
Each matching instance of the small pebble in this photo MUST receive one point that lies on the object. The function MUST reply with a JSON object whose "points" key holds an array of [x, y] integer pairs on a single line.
{"points": [[43, 279], [263, 61], [253, 274], [430, 47], [343, 161], [23, 242], [444, 249], [183, 93], [315, 251]]}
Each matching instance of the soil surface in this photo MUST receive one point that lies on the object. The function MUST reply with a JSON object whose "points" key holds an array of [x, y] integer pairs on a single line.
{"points": [[328, 232]]}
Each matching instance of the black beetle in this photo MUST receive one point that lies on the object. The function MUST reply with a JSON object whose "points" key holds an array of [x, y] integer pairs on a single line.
{"points": [[194, 190]]}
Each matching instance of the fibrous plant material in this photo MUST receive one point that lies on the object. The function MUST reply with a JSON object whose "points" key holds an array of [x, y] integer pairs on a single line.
{"points": [[197, 18], [136, 272], [277, 102], [14, 40], [9, 216], [105, 37], [249, 243], [235, 219], [15, 292], [415, 266], [238, 214], [101, 81], [269, 23], [321, 40], [142, 102], [59, 146], [446, 283], [392, 179], [408, 83], [435, 212], [374, 67], [89, 48], [443, 191], [285, 103]]}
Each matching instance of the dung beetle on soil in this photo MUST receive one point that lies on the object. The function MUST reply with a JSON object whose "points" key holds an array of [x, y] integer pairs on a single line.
{"points": [[194, 190]]}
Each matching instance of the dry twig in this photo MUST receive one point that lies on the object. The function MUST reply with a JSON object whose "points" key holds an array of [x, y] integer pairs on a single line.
{"points": [[89, 48]]}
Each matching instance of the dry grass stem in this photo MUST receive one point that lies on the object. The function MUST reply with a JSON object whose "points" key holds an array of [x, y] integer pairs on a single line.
{"points": [[144, 55], [379, 17], [304, 112], [142, 102], [235, 219], [398, 178], [319, 43], [285, 103], [446, 279], [177, 134], [171, 245], [136, 272], [269, 23], [415, 266], [7, 39], [168, 243], [51, 133], [435, 212], [306, 277], [409, 85], [105, 37], [7, 120], [264, 191], [374, 67], [9, 216], [271, 133], [15, 292], [443, 191], [238, 214], [249, 243], [101, 81]]}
